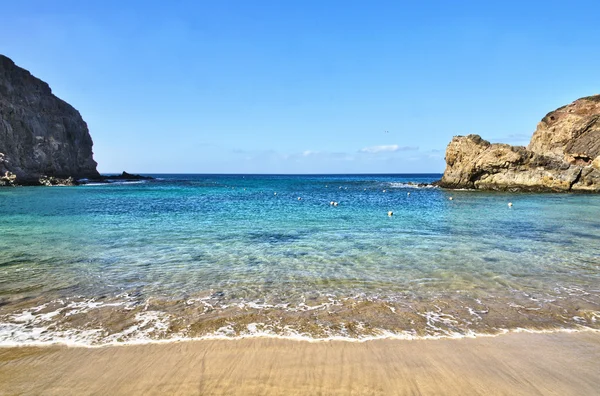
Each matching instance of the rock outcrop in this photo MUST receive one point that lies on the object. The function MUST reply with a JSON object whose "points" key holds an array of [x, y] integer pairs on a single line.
{"points": [[129, 176], [54, 181], [563, 155], [42, 138], [125, 176]]}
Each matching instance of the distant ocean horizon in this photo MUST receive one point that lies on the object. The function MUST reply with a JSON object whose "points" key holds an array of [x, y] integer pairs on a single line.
{"points": [[404, 175], [340, 256]]}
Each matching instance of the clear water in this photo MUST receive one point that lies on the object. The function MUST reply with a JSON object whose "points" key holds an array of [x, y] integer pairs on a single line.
{"points": [[191, 256]]}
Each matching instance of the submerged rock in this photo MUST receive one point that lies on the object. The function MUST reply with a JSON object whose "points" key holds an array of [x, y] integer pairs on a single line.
{"points": [[563, 155], [42, 137]]}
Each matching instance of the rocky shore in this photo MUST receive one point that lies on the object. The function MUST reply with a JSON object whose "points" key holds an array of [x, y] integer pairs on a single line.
{"points": [[69, 181], [563, 155], [43, 139]]}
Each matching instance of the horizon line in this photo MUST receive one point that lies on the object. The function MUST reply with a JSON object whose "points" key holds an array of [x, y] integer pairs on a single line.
{"points": [[273, 174]]}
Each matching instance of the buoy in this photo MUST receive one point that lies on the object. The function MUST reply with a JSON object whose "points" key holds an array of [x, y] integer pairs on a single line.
{"points": [[383, 190], [450, 198], [365, 189], [390, 213], [408, 194], [340, 187], [274, 193], [331, 203], [299, 199], [510, 204], [335, 204]]}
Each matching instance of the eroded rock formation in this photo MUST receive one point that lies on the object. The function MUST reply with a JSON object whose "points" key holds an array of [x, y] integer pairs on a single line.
{"points": [[563, 155], [42, 138]]}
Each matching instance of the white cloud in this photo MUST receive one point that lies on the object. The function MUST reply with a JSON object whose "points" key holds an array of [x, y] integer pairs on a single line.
{"points": [[386, 149]]}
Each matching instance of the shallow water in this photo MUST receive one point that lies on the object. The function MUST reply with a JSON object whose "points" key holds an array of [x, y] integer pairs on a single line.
{"points": [[191, 256]]}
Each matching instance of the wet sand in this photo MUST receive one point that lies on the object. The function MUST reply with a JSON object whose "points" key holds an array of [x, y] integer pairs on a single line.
{"points": [[513, 364]]}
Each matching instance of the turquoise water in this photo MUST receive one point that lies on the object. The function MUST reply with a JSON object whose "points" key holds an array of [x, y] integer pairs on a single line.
{"points": [[189, 256]]}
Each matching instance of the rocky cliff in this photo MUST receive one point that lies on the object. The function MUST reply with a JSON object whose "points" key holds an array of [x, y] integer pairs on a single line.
{"points": [[41, 136], [563, 155]]}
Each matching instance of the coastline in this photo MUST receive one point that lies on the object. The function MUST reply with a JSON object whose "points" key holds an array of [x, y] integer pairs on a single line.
{"points": [[516, 363]]}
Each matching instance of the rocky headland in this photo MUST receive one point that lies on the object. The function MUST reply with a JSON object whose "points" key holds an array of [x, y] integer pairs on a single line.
{"points": [[43, 139], [563, 155]]}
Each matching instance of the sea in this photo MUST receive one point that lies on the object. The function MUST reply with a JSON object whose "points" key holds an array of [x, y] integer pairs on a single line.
{"points": [[312, 257]]}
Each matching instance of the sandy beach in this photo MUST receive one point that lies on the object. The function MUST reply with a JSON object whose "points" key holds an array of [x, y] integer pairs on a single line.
{"points": [[513, 364]]}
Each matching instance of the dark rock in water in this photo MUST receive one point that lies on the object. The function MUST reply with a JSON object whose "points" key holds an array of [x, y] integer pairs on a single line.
{"points": [[41, 136], [563, 155], [122, 177], [129, 176]]}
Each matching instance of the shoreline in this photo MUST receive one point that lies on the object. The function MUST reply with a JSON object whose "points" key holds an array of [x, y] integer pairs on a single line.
{"points": [[515, 363], [388, 336]]}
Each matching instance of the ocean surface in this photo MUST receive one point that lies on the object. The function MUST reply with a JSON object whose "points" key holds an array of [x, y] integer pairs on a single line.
{"points": [[193, 256]]}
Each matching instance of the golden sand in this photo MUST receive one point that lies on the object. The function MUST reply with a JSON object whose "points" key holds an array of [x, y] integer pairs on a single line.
{"points": [[513, 364]]}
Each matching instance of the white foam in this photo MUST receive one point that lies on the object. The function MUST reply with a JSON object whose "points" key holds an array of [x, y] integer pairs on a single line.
{"points": [[513, 305], [113, 182], [227, 333], [436, 319], [410, 185], [32, 327], [148, 324]]}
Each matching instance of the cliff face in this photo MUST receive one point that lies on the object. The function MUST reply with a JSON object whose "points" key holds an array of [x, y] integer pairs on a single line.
{"points": [[41, 136], [563, 155], [571, 132]]}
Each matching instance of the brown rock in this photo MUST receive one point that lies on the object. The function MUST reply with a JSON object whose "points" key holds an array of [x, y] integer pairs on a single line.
{"points": [[571, 132], [55, 181], [475, 163], [563, 155]]}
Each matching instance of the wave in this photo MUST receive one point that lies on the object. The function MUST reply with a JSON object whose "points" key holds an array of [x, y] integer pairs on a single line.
{"points": [[292, 335], [138, 323], [108, 183], [411, 185]]}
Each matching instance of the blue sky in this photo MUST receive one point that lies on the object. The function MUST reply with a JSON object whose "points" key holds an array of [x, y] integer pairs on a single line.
{"points": [[303, 86]]}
